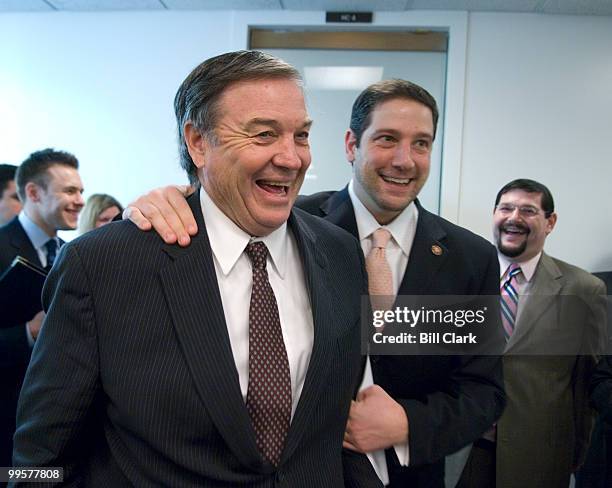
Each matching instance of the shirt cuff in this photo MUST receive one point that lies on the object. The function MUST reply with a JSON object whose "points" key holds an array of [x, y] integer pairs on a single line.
{"points": [[403, 453], [29, 336]]}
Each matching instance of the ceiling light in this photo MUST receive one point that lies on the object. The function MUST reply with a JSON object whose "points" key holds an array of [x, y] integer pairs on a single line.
{"points": [[341, 77]]}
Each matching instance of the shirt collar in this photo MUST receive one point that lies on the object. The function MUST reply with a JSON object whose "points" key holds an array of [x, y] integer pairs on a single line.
{"points": [[228, 241], [527, 267], [37, 236], [402, 228]]}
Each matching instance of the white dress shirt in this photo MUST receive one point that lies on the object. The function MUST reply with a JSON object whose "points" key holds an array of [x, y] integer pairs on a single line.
{"points": [[37, 236], [402, 230], [235, 279]]}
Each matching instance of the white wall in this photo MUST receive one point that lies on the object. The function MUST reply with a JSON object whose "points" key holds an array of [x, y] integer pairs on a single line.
{"points": [[101, 86], [537, 103]]}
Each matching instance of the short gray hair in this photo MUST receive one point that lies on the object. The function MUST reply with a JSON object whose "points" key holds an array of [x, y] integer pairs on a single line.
{"points": [[197, 98]]}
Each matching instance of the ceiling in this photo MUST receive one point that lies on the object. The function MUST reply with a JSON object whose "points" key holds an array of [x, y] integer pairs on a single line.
{"points": [[573, 7]]}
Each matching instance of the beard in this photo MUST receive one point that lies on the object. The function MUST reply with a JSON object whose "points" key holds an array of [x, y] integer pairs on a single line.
{"points": [[512, 252]]}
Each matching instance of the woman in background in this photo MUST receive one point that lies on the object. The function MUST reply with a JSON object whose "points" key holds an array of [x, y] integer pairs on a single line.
{"points": [[99, 210]]}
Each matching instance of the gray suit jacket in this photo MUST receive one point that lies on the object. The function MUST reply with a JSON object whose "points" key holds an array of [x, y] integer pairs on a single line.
{"points": [[133, 381], [545, 428]]}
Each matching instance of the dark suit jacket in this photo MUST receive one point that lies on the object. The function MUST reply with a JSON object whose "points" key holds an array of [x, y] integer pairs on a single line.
{"points": [[597, 469], [14, 347], [601, 390], [133, 381], [449, 400], [601, 395], [601, 383]]}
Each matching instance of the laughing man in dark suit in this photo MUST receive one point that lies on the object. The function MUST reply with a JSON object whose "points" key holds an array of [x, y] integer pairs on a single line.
{"points": [[228, 363], [419, 409]]}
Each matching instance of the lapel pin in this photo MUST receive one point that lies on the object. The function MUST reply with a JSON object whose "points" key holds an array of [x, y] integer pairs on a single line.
{"points": [[436, 250]]}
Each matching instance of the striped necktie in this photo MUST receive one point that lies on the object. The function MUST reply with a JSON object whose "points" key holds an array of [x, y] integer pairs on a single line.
{"points": [[509, 299]]}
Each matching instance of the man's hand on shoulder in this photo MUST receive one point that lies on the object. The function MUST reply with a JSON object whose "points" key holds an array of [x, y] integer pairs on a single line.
{"points": [[376, 421], [167, 212]]}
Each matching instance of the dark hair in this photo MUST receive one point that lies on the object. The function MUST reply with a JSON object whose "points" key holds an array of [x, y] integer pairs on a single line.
{"points": [[373, 95], [197, 98], [530, 186], [35, 168], [7, 174], [96, 204]]}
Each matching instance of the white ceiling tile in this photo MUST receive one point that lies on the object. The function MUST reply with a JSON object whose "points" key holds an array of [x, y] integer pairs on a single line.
{"points": [[577, 7], [571, 7], [94, 5], [346, 5], [24, 6], [503, 5], [223, 4], [440, 5]]}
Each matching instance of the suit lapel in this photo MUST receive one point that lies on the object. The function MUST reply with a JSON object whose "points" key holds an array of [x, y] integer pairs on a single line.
{"points": [[547, 283], [423, 264], [22, 244], [194, 300], [323, 348], [338, 209]]}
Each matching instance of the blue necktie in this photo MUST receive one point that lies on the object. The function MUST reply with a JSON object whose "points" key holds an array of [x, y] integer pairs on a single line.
{"points": [[51, 247]]}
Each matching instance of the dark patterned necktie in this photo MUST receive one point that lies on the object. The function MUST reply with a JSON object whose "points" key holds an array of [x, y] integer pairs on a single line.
{"points": [[269, 391], [51, 247]]}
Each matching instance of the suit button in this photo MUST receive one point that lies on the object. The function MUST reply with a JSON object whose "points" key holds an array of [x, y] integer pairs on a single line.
{"points": [[280, 477], [374, 359]]}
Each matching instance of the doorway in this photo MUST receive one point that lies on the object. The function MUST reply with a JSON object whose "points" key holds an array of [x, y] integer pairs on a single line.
{"points": [[336, 67]]}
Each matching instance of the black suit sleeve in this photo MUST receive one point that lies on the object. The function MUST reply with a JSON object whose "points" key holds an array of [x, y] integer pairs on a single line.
{"points": [[445, 421], [601, 388], [14, 347], [62, 380], [14, 357]]}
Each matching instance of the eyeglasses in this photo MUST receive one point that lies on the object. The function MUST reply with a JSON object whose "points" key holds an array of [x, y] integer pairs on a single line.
{"points": [[526, 211]]}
